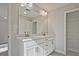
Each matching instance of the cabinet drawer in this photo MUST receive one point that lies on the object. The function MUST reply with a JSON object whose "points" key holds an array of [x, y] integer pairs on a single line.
{"points": [[40, 41], [30, 51], [47, 45], [29, 44]]}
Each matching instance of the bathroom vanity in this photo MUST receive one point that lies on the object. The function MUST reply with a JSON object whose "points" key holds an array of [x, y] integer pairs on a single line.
{"points": [[35, 46], [39, 43]]}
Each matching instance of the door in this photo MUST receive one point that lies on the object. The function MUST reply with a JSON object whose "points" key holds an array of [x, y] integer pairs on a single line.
{"points": [[3, 23], [72, 31]]}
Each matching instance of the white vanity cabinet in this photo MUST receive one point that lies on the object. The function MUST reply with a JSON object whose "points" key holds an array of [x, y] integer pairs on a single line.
{"points": [[35, 47]]}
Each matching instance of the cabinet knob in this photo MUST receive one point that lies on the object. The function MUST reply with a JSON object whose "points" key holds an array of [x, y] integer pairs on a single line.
{"points": [[8, 36], [46, 45]]}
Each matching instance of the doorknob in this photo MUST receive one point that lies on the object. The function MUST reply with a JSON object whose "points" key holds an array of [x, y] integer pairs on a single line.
{"points": [[8, 36]]}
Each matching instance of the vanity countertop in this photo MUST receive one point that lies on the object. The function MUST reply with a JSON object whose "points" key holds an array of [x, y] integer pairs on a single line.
{"points": [[24, 39]]}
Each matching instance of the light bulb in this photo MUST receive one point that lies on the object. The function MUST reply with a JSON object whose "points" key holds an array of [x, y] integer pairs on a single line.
{"points": [[22, 5], [29, 4], [25, 13], [5, 17], [45, 13]]}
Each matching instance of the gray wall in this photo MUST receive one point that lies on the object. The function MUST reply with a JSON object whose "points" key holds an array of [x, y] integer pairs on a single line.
{"points": [[56, 25]]}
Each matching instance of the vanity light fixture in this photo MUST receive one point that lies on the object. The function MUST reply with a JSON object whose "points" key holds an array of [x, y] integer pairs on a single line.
{"points": [[25, 13], [5, 17], [27, 5], [43, 12], [22, 4]]}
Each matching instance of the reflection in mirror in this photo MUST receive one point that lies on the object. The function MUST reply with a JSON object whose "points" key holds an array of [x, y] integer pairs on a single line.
{"points": [[34, 27], [32, 20]]}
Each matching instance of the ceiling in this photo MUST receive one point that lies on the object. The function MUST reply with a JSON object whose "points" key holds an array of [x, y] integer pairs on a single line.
{"points": [[51, 6], [46, 6]]}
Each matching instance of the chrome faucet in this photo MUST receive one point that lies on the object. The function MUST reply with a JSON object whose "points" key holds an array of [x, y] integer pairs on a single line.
{"points": [[43, 33], [26, 34]]}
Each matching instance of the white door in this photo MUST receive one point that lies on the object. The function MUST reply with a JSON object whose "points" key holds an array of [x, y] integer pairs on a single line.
{"points": [[73, 31]]}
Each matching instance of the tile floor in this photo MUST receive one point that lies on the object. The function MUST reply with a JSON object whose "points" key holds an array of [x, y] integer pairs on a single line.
{"points": [[69, 53], [56, 54]]}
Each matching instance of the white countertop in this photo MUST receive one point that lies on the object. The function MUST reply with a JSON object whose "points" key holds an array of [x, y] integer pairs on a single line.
{"points": [[24, 39]]}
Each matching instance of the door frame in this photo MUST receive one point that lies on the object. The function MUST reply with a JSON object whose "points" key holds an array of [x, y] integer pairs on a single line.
{"points": [[65, 40]]}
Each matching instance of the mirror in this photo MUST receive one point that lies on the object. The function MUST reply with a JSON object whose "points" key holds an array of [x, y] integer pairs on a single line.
{"points": [[31, 21]]}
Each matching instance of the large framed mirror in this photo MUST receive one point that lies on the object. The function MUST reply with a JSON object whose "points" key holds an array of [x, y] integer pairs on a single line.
{"points": [[32, 19]]}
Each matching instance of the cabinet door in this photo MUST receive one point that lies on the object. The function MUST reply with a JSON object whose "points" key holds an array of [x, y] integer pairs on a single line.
{"points": [[48, 47], [30, 51], [39, 51], [51, 44]]}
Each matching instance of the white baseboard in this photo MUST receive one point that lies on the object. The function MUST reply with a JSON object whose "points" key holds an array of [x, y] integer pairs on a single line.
{"points": [[73, 50], [60, 52]]}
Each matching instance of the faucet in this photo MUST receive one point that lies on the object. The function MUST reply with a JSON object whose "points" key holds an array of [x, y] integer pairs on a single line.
{"points": [[26, 35], [43, 33]]}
